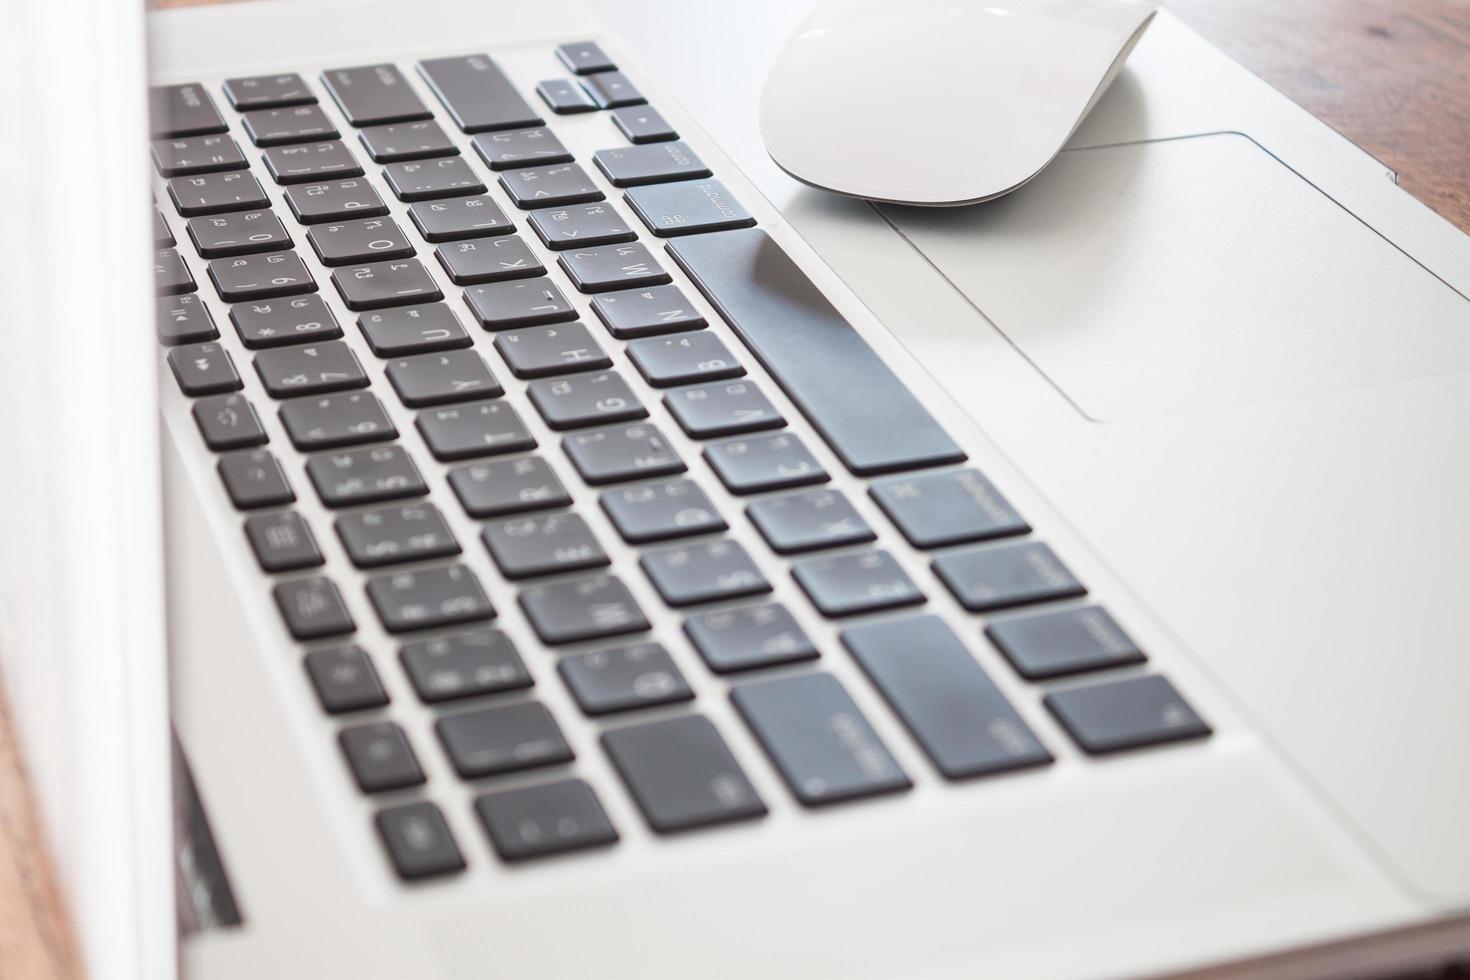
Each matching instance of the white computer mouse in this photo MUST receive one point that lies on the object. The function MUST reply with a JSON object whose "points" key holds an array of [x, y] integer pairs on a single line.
{"points": [[940, 102]]}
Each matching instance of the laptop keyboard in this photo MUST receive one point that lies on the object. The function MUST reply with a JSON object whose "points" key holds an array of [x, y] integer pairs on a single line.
{"points": [[463, 312]]}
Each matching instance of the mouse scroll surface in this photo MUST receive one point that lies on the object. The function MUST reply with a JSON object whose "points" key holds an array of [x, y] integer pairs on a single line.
{"points": [[940, 102]]}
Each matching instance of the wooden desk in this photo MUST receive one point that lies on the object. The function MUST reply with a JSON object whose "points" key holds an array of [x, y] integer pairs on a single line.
{"points": [[1391, 75]]}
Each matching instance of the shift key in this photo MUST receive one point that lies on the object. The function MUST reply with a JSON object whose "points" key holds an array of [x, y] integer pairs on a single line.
{"points": [[477, 94]]}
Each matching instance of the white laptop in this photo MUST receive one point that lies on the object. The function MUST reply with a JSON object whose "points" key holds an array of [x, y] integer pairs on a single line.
{"points": [[585, 551]]}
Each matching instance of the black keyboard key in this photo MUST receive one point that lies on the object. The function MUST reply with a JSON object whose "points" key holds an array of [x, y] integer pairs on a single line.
{"points": [[170, 275], [344, 679], [508, 486], [398, 282], [282, 541], [682, 774], [464, 665], [365, 476], [1052, 644], [427, 180], [197, 155], [334, 200], [329, 421], [751, 637], [622, 452], [204, 369], [548, 187], [564, 97], [818, 738], [296, 124], [254, 478], [380, 757], [708, 571], [372, 94], [310, 369], [771, 461], [475, 429], [685, 359], [859, 406], [216, 193], [489, 260], [808, 520], [413, 330], [549, 818], [267, 91], [418, 841], [1126, 714], [945, 699], [633, 313], [543, 544], [651, 163], [428, 598], [396, 534], [229, 422], [690, 207], [611, 89], [397, 142], [1000, 576], [459, 218], [722, 408], [305, 162], [313, 608], [263, 276], [359, 240], [505, 738], [184, 320], [285, 321], [661, 511], [643, 124], [843, 585], [535, 352], [585, 399], [583, 609], [162, 237], [238, 233], [609, 267], [580, 226], [439, 379], [182, 110], [939, 509], [624, 679], [584, 58], [523, 303], [518, 148], [477, 94]]}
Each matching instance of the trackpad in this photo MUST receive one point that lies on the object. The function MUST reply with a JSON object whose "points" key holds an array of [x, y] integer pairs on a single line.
{"points": [[1185, 275]]}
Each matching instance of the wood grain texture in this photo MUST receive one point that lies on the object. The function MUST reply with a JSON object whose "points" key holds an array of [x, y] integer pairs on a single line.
{"points": [[1393, 76]]}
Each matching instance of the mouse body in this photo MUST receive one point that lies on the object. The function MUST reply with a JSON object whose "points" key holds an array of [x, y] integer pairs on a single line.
{"points": [[940, 102]]}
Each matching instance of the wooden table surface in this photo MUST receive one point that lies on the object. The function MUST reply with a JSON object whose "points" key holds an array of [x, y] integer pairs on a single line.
{"points": [[1391, 75]]}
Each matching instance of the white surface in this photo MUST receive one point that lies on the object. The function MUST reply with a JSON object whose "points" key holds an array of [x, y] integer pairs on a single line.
{"points": [[81, 604], [977, 97]]}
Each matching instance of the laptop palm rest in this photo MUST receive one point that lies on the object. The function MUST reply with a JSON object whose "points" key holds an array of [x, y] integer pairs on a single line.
{"points": [[1120, 274]]}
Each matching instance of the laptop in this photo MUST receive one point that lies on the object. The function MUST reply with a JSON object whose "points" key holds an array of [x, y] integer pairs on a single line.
{"points": [[582, 550]]}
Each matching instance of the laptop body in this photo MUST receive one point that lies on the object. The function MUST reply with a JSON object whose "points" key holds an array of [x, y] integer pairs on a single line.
{"points": [[1214, 504]]}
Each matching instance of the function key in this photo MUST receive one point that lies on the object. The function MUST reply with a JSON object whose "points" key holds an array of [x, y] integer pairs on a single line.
{"points": [[521, 148], [654, 163], [609, 267], [631, 313], [940, 509], [426, 180], [550, 818], [524, 303], [216, 193], [543, 544], [689, 207], [661, 511], [373, 94], [722, 408], [505, 738], [170, 275], [229, 422], [265, 276], [284, 321], [395, 534], [197, 155], [401, 282], [282, 541], [705, 572], [335, 200], [359, 240], [1070, 641], [818, 738], [681, 774], [255, 479], [549, 187], [428, 598], [413, 330], [622, 452], [238, 233], [585, 399], [310, 161], [564, 97], [380, 757], [344, 679], [313, 608], [477, 94], [299, 124], [184, 320], [643, 124], [459, 218], [162, 237], [475, 429], [583, 609], [464, 665], [584, 57], [508, 486], [748, 638], [329, 421], [999, 576], [267, 91], [580, 225], [808, 520], [441, 378], [204, 369], [488, 260], [1126, 714], [856, 583], [182, 110], [406, 141], [365, 476], [611, 89], [418, 841], [624, 679]]}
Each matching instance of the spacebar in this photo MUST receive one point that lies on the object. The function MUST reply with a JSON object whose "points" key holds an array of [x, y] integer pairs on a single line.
{"points": [[860, 407]]}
